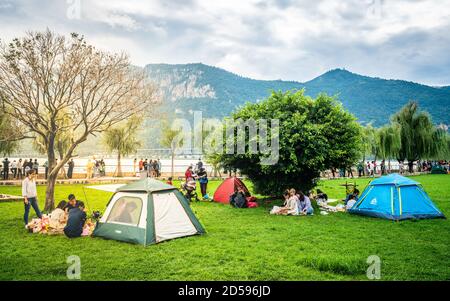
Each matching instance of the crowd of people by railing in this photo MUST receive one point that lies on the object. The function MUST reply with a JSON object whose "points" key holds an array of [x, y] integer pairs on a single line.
{"points": [[373, 168], [150, 168], [18, 169], [15, 169]]}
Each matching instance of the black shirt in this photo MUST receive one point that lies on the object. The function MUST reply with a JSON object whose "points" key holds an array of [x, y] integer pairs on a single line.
{"points": [[75, 223], [70, 207]]}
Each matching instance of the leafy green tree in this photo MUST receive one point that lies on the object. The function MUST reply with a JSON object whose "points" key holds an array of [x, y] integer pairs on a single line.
{"points": [[388, 142], [9, 134], [170, 140], [123, 140], [314, 135], [369, 142], [420, 139]]}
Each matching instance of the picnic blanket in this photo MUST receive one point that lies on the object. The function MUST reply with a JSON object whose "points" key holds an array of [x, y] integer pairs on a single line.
{"points": [[43, 226]]}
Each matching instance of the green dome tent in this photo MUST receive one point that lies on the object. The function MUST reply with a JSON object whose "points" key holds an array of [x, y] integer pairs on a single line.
{"points": [[147, 212]]}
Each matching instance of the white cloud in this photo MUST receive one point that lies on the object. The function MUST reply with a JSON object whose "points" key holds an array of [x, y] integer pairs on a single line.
{"points": [[293, 40]]}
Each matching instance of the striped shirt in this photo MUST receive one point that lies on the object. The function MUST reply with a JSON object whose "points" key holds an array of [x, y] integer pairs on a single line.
{"points": [[29, 188]]}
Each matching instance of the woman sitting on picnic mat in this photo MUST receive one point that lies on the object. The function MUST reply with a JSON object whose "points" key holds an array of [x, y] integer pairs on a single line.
{"points": [[58, 218], [53, 223], [290, 206], [304, 204]]}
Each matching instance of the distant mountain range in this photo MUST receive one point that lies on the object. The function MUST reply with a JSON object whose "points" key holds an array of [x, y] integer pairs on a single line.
{"points": [[217, 92]]}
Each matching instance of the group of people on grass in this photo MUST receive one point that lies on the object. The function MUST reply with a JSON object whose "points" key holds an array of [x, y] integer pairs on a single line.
{"points": [[68, 218], [297, 203], [199, 174]]}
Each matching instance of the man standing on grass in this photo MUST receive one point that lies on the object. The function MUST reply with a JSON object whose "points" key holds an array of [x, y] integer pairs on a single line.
{"points": [[30, 195]]}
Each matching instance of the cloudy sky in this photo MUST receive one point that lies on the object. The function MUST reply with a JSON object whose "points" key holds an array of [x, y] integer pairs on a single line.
{"points": [[276, 39]]}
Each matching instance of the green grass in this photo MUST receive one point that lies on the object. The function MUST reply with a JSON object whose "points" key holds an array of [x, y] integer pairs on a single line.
{"points": [[240, 244]]}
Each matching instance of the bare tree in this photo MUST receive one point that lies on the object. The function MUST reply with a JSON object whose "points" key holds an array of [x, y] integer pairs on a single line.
{"points": [[57, 85]]}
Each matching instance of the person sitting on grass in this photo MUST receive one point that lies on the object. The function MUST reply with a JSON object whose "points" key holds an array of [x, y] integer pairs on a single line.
{"points": [[169, 181], [290, 204], [238, 199], [75, 222], [355, 193], [304, 204], [73, 203], [351, 202], [321, 198], [277, 209], [58, 217]]}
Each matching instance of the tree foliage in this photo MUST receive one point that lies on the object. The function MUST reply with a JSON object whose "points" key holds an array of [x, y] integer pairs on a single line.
{"points": [[171, 138], [420, 139], [55, 85], [10, 134], [123, 139], [388, 141], [314, 135], [369, 143]]}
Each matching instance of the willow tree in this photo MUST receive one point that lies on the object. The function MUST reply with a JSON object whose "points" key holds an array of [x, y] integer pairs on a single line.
{"points": [[123, 139], [420, 139], [46, 78], [171, 138], [389, 142], [10, 133], [369, 142]]}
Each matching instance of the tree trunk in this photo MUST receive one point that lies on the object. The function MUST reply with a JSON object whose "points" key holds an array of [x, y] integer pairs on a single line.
{"points": [[172, 165], [51, 177], [119, 166], [49, 193], [389, 166], [53, 169], [364, 164]]}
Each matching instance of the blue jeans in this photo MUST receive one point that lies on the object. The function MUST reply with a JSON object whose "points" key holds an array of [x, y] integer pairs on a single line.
{"points": [[31, 202], [309, 211]]}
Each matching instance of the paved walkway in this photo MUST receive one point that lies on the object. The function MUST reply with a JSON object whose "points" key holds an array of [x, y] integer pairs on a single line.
{"points": [[102, 180]]}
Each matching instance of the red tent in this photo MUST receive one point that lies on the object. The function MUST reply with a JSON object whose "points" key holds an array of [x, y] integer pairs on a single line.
{"points": [[227, 188]]}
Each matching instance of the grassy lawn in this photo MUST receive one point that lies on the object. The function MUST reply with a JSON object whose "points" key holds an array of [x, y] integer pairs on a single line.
{"points": [[240, 244]]}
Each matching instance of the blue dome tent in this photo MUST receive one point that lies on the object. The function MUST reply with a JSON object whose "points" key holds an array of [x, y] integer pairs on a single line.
{"points": [[395, 197]]}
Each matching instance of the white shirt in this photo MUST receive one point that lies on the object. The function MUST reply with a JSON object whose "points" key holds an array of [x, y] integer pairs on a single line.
{"points": [[29, 188], [350, 204], [14, 165]]}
